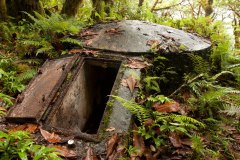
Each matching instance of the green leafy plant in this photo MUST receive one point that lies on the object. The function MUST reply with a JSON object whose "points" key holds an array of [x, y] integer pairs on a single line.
{"points": [[50, 35], [213, 98], [159, 122], [19, 145], [7, 99]]}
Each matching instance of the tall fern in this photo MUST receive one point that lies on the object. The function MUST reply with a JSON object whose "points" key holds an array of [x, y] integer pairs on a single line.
{"points": [[139, 111]]}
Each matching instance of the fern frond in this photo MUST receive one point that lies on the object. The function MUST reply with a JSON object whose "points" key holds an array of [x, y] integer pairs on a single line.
{"points": [[71, 41], [139, 111], [181, 119], [232, 111], [32, 43], [44, 49], [188, 120], [30, 61], [5, 98], [233, 66], [215, 77], [27, 75]]}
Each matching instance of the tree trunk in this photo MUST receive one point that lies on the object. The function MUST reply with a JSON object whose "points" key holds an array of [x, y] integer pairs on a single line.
{"points": [[15, 8], [101, 8], [140, 3], [3, 10], [208, 8], [70, 7], [237, 33], [108, 6]]}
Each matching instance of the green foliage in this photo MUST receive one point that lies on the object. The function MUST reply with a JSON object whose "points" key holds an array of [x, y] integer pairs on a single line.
{"points": [[19, 145], [140, 112], [199, 64], [211, 98], [163, 122], [11, 84], [13, 74], [7, 99], [5, 31], [152, 83], [197, 144], [50, 35]]}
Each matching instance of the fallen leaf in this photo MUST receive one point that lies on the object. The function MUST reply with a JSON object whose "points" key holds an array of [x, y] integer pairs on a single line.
{"points": [[50, 137], [175, 140], [183, 151], [83, 51], [119, 152], [88, 42], [31, 128], [153, 42], [19, 128], [64, 151], [138, 143], [186, 142], [130, 82], [3, 109], [137, 64], [148, 122], [110, 129], [112, 144], [90, 155], [167, 107], [88, 33], [148, 154], [113, 31], [153, 149]]}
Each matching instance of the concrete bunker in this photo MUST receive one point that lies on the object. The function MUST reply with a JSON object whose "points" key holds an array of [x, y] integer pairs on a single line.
{"points": [[70, 93], [83, 104]]}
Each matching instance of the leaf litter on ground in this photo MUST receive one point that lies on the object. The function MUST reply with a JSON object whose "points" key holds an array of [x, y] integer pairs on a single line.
{"points": [[50, 137]]}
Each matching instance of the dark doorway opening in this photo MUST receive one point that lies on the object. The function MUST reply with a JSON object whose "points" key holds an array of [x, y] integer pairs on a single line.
{"points": [[100, 77]]}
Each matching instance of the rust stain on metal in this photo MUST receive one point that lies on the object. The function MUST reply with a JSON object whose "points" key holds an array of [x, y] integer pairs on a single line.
{"points": [[41, 90]]}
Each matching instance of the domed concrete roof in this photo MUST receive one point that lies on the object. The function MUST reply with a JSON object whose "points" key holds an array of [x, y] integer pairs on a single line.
{"points": [[133, 36]]}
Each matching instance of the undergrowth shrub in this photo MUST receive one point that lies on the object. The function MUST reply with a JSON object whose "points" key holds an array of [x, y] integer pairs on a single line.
{"points": [[49, 36], [161, 124], [19, 145]]}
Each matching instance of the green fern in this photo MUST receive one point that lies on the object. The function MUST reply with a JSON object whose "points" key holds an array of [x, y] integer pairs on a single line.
{"points": [[28, 74], [7, 99], [232, 110], [198, 145], [212, 98], [139, 111], [49, 33], [71, 41], [152, 83], [166, 122], [179, 120]]}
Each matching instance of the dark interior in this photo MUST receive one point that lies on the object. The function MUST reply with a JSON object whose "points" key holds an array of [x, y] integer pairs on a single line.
{"points": [[100, 77]]}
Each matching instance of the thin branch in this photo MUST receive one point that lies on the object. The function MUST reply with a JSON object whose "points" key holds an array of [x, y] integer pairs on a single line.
{"points": [[234, 10], [154, 5], [186, 84], [168, 7]]}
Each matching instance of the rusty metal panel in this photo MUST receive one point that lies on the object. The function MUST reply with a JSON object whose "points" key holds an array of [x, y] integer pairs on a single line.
{"points": [[33, 102]]}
